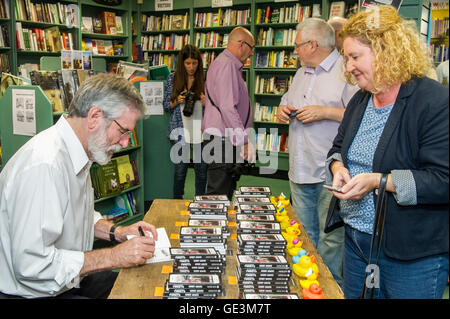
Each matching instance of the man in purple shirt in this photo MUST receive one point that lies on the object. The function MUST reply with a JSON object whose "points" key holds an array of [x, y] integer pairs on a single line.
{"points": [[228, 114]]}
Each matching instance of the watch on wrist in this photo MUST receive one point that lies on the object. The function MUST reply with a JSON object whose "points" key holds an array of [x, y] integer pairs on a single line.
{"points": [[112, 237]]}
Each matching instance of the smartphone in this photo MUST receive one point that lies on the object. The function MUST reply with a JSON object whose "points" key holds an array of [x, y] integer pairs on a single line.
{"points": [[332, 188], [293, 114]]}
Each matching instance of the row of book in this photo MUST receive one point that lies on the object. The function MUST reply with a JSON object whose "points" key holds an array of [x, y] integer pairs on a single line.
{"points": [[105, 23], [164, 42], [125, 206], [262, 269], [47, 40], [439, 28], [440, 52], [4, 36], [114, 177], [103, 47], [272, 142], [286, 14], [4, 9], [276, 59], [264, 113], [272, 85], [270, 36], [222, 18], [166, 22], [155, 59], [211, 40], [58, 13]]}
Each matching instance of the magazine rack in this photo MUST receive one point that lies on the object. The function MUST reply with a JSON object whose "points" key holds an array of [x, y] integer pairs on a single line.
{"points": [[44, 119]]}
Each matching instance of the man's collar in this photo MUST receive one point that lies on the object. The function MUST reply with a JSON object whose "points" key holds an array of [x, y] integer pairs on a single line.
{"points": [[73, 144]]}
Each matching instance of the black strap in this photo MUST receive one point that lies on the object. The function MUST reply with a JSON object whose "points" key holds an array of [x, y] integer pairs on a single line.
{"points": [[378, 228], [112, 237]]}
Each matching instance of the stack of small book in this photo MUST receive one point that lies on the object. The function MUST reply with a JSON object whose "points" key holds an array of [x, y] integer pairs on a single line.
{"points": [[197, 260], [260, 274], [207, 236], [193, 286]]}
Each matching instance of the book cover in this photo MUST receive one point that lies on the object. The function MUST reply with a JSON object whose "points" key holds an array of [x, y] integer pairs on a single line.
{"points": [[86, 25], [337, 9], [119, 25], [48, 81], [109, 179], [125, 171]]}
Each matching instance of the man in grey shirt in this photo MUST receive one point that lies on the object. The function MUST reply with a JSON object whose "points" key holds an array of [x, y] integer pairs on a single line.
{"points": [[314, 106]]}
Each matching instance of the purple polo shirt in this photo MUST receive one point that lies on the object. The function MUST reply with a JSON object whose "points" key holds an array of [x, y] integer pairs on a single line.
{"points": [[227, 89]]}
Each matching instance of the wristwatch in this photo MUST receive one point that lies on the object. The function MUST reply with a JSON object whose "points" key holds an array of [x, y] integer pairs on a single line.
{"points": [[112, 237]]}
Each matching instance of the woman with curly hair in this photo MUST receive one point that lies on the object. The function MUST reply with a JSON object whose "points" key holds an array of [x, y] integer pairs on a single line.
{"points": [[395, 127]]}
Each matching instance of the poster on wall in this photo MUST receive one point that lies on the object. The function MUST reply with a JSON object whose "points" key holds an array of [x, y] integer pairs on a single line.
{"points": [[163, 5], [153, 94], [24, 112]]}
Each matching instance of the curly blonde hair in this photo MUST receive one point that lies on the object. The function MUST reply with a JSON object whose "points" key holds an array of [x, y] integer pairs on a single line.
{"points": [[396, 44]]}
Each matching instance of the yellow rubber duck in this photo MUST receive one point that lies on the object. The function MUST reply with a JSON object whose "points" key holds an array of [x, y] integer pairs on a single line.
{"points": [[285, 222], [294, 247], [273, 200], [290, 234], [305, 267], [305, 283]]}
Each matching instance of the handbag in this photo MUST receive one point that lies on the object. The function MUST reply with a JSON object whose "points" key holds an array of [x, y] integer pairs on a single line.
{"points": [[370, 279], [333, 220]]}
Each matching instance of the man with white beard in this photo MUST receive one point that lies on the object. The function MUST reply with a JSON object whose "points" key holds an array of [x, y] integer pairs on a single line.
{"points": [[47, 217]]}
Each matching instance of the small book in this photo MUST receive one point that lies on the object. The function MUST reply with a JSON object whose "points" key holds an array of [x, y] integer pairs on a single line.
{"points": [[86, 25]]}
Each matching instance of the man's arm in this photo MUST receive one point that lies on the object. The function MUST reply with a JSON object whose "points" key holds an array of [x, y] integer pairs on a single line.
{"points": [[314, 113]]}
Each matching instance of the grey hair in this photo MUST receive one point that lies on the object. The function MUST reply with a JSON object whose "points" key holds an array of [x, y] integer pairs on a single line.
{"points": [[317, 29], [109, 92]]}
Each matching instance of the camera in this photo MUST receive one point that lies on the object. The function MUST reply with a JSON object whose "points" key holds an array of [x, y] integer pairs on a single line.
{"points": [[189, 103]]}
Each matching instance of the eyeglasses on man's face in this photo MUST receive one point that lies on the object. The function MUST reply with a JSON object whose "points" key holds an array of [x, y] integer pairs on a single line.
{"points": [[301, 44], [252, 47], [122, 130]]}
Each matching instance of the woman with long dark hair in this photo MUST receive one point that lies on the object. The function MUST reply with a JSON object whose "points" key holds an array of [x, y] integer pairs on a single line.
{"points": [[185, 100]]}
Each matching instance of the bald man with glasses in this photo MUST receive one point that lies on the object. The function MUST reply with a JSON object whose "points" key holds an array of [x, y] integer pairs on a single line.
{"points": [[228, 113]]}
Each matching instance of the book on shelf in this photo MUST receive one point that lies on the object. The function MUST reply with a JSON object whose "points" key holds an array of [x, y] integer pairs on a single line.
{"points": [[4, 36], [86, 25], [97, 24], [4, 9], [105, 179], [48, 81], [5, 66], [125, 170], [108, 20], [119, 25], [337, 9]]}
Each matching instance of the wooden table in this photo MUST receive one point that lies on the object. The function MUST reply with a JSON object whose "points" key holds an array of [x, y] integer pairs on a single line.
{"points": [[147, 281]]}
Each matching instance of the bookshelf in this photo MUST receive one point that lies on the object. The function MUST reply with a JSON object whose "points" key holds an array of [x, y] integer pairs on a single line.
{"points": [[163, 34], [439, 31]]}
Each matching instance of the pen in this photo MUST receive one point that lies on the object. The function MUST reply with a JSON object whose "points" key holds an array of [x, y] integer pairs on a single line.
{"points": [[141, 231]]}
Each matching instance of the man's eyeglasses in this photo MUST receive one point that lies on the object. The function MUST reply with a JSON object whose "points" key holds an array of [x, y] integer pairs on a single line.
{"points": [[301, 44], [252, 47], [123, 130]]}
